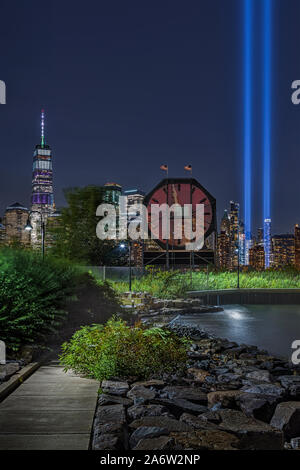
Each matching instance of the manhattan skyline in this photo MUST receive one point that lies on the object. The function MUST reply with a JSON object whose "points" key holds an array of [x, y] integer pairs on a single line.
{"points": [[126, 88]]}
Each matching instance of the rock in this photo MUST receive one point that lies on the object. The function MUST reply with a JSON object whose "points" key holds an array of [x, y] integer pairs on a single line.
{"points": [[151, 383], [227, 398], [265, 389], [138, 411], [229, 378], [292, 384], [205, 440], [211, 416], [156, 443], [198, 375], [193, 394], [177, 406], [260, 376], [197, 422], [110, 414], [145, 432], [160, 421], [105, 399], [140, 394], [108, 442], [295, 443], [114, 387], [252, 434], [287, 418], [258, 406]]}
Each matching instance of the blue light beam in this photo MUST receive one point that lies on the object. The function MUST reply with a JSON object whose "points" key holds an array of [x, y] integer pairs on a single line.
{"points": [[267, 126], [248, 41]]}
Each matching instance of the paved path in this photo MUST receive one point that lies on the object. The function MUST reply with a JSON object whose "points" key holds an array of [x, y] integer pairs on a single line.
{"points": [[50, 410]]}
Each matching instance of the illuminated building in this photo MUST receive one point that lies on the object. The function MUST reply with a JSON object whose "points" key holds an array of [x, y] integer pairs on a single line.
{"points": [[297, 246], [257, 257], [42, 198], [15, 219], [234, 224], [134, 196], [283, 250], [267, 242], [112, 193], [223, 250]]}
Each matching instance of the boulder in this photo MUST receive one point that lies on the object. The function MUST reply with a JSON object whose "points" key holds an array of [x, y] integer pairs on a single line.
{"points": [[227, 398], [287, 418], [291, 383], [108, 442], [151, 383], [260, 376], [258, 406], [177, 406], [110, 414], [197, 422], [193, 394], [155, 443], [160, 421], [138, 411], [140, 394], [145, 432], [252, 434], [105, 399], [265, 389], [198, 375], [205, 440], [113, 387], [295, 443]]}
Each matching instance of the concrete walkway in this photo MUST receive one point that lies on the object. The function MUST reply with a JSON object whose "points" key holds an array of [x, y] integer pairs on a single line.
{"points": [[50, 410]]}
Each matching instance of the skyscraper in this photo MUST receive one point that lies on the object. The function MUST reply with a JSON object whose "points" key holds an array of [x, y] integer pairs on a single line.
{"points": [[267, 242], [42, 198], [297, 246]]}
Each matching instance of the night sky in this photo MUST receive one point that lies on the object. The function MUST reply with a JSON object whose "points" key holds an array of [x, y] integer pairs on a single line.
{"points": [[129, 85]]}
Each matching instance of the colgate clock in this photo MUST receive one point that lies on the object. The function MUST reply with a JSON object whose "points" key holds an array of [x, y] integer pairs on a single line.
{"points": [[181, 191]]}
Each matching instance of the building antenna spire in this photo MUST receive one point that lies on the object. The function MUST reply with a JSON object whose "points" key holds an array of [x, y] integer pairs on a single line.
{"points": [[42, 128]]}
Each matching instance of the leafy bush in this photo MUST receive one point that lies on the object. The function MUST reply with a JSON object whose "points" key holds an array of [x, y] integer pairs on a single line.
{"points": [[115, 349], [33, 293]]}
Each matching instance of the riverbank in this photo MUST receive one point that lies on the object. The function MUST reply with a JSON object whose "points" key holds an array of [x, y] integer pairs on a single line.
{"points": [[229, 397]]}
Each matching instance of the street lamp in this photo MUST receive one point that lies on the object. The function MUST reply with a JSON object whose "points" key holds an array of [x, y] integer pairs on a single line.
{"points": [[28, 227]]}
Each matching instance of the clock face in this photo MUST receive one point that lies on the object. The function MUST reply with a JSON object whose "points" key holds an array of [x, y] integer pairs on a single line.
{"points": [[180, 191]]}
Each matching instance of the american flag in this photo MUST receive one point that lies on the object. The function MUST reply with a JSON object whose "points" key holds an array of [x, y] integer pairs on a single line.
{"points": [[188, 167], [164, 167]]}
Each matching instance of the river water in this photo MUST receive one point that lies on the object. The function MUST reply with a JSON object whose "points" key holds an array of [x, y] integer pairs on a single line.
{"points": [[270, 327]]}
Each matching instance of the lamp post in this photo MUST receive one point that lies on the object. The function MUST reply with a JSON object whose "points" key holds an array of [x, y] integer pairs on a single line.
{"points": [[29, 227], [123, 245]]}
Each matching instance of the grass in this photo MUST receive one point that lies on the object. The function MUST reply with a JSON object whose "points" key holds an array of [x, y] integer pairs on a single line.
{"points": [[176, 284]]}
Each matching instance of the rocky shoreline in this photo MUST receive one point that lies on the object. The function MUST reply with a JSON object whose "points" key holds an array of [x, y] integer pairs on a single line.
{"points": [[230, 397]]}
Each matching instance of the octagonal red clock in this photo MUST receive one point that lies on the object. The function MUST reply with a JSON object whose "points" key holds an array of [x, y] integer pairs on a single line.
{"points": [[181, 191]]}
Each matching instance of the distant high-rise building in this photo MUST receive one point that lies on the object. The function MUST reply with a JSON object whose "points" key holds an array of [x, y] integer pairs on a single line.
{"points": [[112, 193], [297, 246], [234, 220], [223, 250], [42, 197], [283, 250], [257, 257], [15, 220], [267, 242], [225, 223], [134, 196]]}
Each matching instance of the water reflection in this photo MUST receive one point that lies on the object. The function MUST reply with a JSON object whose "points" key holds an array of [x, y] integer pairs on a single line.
{"points": [[271, 327]]}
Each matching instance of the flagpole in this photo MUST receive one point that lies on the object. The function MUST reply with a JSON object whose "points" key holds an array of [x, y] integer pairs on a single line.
{"points": [[167, 244]]}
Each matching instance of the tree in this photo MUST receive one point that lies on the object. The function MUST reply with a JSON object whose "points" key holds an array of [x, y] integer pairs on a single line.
{"points": [[74, 236]]}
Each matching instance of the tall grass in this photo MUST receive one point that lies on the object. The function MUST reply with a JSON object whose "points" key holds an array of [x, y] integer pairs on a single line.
{"points": [[175, 284]]}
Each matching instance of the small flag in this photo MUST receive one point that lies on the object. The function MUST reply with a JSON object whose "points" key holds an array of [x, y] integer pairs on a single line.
{"points": [[188, 167], [164, 167]]}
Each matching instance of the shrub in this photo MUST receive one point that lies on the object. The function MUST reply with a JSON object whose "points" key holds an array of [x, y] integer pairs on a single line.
{"points": [[33, 293], [115, 349]]}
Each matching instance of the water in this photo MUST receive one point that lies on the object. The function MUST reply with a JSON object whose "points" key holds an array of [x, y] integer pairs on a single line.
{"points": [[270, 327]]}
